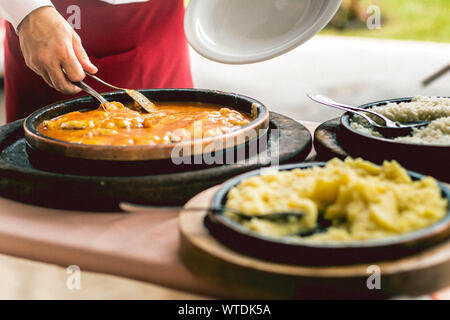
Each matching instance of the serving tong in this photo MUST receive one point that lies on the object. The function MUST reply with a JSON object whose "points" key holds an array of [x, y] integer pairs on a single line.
{"points": [[390, 129], [138, 97]]}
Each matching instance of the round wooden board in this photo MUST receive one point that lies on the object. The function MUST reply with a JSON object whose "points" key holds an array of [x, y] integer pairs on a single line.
{"points": [[245, 277], [326, 141]]}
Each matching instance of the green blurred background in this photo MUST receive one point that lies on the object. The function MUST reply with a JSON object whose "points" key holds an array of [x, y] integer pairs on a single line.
{"points": [[425, 20]]}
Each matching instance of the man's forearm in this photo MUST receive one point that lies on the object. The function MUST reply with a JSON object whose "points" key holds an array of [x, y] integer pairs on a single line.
{"points": [[16, 10]]}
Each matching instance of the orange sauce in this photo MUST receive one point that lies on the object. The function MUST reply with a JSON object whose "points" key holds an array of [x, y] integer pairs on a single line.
{"points": [[119, 125]]}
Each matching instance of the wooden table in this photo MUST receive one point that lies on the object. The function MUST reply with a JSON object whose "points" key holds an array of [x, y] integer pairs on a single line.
{"points": [[22, 278], [30, 279]]}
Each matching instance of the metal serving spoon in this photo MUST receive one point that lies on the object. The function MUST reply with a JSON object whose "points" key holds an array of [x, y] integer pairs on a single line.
{"points": [[390, 129], [140, 99], [322, 223], [270, 216]]}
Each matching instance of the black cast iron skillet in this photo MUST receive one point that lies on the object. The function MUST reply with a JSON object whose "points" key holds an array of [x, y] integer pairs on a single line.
{"points": [[284, 250], [256, 127]]}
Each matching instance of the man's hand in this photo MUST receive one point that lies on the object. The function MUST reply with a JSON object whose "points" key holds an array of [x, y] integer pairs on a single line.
{"points": [[48, 44]]}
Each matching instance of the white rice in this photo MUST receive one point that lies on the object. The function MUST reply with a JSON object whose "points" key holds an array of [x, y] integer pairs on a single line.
{"points": [[434, 109]]}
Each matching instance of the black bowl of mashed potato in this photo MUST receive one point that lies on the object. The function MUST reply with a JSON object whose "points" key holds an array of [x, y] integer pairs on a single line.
{"points": [[371, 213]]}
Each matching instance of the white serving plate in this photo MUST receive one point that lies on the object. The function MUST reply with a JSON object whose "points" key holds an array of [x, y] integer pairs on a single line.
{"points": [[247, 31]]}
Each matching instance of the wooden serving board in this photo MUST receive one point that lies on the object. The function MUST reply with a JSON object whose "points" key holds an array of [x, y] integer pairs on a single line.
{"points": [[246, 277], [49, 181], [326, 141]]}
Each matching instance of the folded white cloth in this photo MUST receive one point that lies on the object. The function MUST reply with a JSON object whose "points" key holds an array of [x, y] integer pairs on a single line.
{"points": [[16, 10]]}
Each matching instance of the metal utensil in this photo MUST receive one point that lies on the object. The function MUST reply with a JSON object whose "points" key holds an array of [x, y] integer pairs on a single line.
{"points": [[85, 87], [138, 97], [270, 216], [436, 76], [390, 129]]}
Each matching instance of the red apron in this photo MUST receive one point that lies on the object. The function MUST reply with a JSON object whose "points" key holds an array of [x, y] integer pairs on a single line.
{"points": [[137, 45]]}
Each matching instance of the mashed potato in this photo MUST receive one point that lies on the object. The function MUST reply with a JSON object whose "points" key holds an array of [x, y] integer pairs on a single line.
{"points": [[434, 109], [361, 200]]}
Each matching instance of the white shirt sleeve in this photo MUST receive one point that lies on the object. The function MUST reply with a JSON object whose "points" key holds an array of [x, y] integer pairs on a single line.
{"points": [[16, 10], [123, 1]]}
